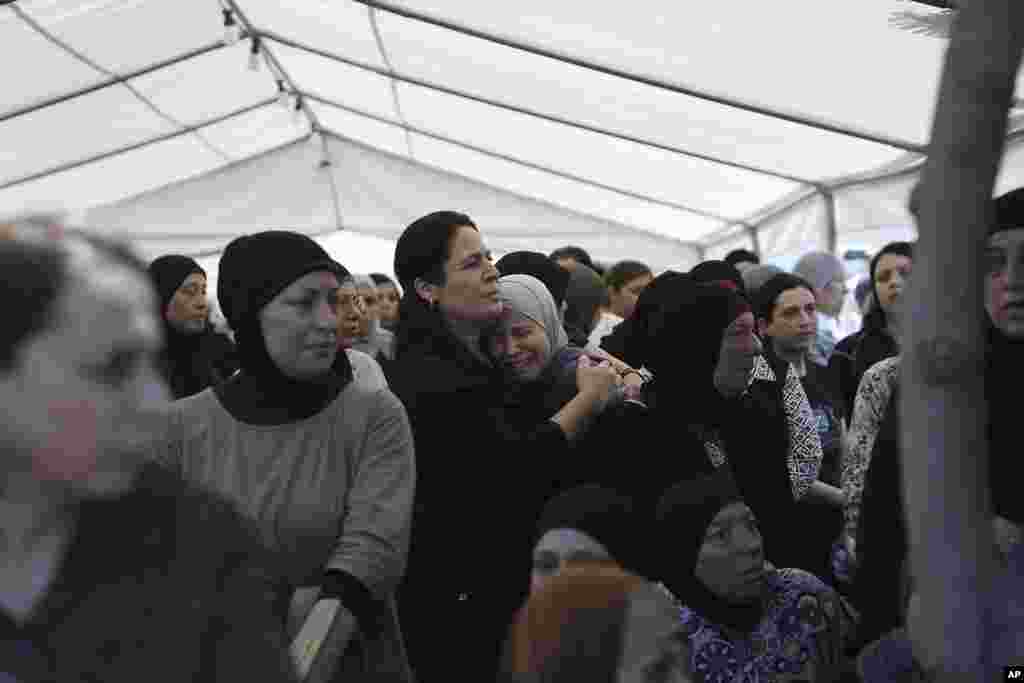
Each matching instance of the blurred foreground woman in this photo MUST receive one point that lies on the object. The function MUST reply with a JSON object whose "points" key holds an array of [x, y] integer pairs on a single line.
{"points": [[110, 570]]}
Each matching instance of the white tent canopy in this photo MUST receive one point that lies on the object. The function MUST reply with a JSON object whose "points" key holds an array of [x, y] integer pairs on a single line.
{"points": [[660, 131]]}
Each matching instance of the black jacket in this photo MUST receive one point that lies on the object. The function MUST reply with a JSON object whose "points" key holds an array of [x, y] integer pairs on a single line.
{"points": [[192, 363], [165, 583], [482, 477], [853, 357]]}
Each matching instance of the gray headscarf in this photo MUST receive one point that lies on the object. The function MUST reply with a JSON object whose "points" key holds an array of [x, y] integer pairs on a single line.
{"points": [[819, 268], [527, 296], [378, 340]]}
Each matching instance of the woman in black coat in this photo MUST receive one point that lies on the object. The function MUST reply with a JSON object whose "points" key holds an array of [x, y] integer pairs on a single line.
{"points": [[718, 401], [482, 476]]}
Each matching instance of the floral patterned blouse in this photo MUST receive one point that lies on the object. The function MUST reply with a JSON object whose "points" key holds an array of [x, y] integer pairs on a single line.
{"points": [[801, 637], [869, 408]]}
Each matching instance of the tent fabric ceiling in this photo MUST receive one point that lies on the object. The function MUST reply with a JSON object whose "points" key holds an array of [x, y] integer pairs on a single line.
{"points": [[666, 132]]}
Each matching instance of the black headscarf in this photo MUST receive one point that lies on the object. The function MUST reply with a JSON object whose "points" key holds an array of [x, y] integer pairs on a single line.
{"points": [[684, 338], [628, 341], [253, 270], [584, 295], [1005, 361], [189, 362], [710, 272], [604, 515], [554, 276], [684, 515]]}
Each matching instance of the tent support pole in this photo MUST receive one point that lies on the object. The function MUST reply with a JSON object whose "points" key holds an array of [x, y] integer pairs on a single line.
{"points": [[831, 230]]}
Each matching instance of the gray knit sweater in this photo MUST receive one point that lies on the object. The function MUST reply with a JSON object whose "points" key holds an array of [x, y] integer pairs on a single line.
{"points": [[334, 491]]}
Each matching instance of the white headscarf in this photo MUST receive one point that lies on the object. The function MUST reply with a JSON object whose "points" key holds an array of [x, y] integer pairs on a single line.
{"points": [[527, 296]]}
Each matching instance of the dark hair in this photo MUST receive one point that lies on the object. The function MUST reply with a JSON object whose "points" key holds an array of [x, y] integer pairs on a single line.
{"points": [[425, 245], [624, 272], [380, 279], [875, 318], [741, 256], [768, 295], [34, 276], [578, 254]]}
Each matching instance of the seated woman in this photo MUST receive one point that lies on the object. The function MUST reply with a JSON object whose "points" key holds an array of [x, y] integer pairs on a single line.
{"points": [[111, 569], [589, 523], [477, 461], [322, 465], [740, 620]]}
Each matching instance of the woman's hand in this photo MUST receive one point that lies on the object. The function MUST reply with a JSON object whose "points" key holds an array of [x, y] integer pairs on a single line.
{"points": [[596, 380]]}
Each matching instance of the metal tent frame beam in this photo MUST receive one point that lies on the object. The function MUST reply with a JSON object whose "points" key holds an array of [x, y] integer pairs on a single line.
{"points": [[187, 130], [523, 46], [526, 111], [111, 82], [696, 246], [520, 161]]}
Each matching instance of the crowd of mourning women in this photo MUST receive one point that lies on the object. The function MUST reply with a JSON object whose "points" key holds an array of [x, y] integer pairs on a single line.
{"points": [[534, 470]]}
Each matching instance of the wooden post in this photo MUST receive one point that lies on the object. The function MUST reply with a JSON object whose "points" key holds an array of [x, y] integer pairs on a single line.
{"points": [[945, 454]]}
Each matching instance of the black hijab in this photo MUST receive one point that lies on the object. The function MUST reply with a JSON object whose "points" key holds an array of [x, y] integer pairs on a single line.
{"points": [[1005, 363], [554, 276], [628, 341], [604, 515], [684, 515], [710, 272], [585, 294], [253, 270], [684, 338], [189, 362]]}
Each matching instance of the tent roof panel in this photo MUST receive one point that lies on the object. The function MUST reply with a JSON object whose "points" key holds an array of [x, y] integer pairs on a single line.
{"points": [[501, 73], [207, 86], [802, 56], [114, 178], [251, 134], [373, 133], [315, 74], [342, 27], [53, 72], [98, 122], [573, 195], [124, 35], [705, 186]]}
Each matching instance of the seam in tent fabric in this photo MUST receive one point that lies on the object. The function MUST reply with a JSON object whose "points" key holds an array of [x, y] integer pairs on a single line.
{"points": [[523, 162], [276, 65], [32, 23], [504, 190], [329, 169], [116, 80], [638, 78], [386, 58], [187, 130], [270, 35]]}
